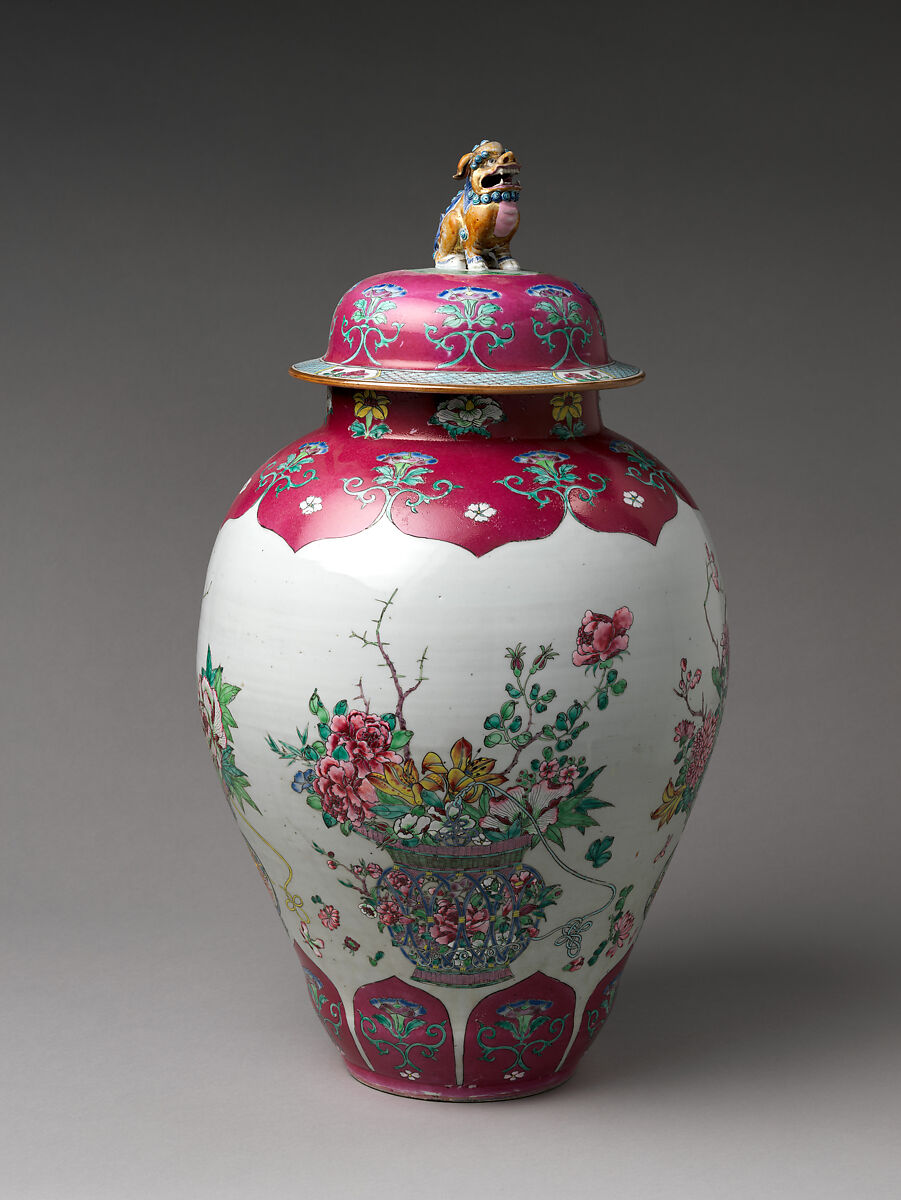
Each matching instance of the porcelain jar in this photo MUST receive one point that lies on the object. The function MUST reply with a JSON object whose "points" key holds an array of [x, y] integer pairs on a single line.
{"points": [[462, 663]]}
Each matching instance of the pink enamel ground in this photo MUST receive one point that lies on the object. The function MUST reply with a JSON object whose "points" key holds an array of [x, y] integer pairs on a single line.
{"points": [[413, 320], [327, 484]]}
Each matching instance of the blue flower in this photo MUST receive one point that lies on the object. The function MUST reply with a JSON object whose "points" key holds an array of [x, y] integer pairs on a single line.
{"points": [[406, 456], [469, 292], [384, 289], [303, 781], [540, 456], [548, 289]]}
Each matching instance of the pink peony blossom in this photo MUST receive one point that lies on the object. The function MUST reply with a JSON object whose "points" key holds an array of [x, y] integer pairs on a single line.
{"points": [[684, 729], [600, 638], [444, 922], [400, 881], [389, 912], [329, 916], [477, 920], [365, 737], [344, 794], [374, 870], [700, 750]]}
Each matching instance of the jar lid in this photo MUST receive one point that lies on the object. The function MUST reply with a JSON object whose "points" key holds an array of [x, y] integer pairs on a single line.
{"points": [[476, 321]]}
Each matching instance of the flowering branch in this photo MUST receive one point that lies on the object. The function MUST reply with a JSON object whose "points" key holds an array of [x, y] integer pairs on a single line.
{"points": [[382, 646]]}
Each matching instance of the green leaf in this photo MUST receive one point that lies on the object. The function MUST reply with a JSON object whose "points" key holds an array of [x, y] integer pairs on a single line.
{"points": [[561, 723], [400, 737], [574, 712], [564, 744], [553, 834], [493, 722], [516, 725], [324, 730], [599, 851], [342, 754], [228, 691], [340, 708], [717, 677], [346, 828], [329, 820], [512, 691], [586, 783], [539, 707], [534, 691], [612, 676], [619, 687], [318, 747], [314, 801], [521, 739], [316, 707], [603, 700], [492, 739], [597, 954], [507, 710]]}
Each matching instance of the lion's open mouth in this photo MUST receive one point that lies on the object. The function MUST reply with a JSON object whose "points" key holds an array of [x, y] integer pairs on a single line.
{"points": [[505, 178]]}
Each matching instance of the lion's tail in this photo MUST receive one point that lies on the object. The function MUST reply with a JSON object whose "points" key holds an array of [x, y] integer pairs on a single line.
{"points": [[441, 219]]}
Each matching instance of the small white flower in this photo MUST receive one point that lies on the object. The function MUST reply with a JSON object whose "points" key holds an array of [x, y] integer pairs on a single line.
{"points": [[480, 512], [410, 1074], [514, 1075], [410, 825], [310, 505], [633, 499]]}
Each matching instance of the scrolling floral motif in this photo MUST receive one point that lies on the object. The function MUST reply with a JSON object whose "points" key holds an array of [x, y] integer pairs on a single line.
{"points": [[561, 317], [366, 331], [295, 471], [400, 474], [328, 1011], [553, 475], [644, 468], [596, 1016], [469, 318], [522, 1020], [400, 1020]]}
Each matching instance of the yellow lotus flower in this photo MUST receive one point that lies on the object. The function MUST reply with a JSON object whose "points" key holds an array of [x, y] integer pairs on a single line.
{"points": [[466, 779], [370, 404], [568, 404], [669, 804], [400, 780]]}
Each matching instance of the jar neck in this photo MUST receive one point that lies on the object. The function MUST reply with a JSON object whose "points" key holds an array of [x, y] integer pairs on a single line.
{"points": [[431, 416]]}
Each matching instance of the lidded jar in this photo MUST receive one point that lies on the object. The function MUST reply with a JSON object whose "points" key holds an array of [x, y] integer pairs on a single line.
{"points": [[462, 663]]}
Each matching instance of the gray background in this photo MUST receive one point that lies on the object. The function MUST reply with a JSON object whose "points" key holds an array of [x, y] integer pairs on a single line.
{"points": [[186, 192]]}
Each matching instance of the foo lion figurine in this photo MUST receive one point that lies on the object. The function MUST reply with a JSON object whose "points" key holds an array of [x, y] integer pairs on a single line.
{"points": [[476, 229]]}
